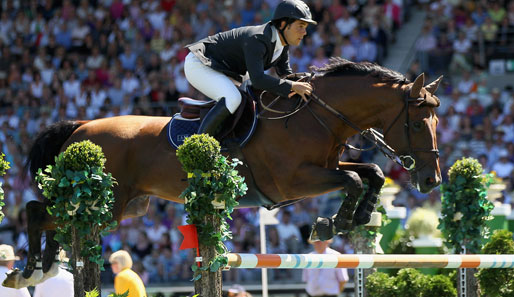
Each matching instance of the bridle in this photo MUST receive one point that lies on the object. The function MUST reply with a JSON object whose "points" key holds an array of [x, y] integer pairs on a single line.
{"points": [[407, 161]]}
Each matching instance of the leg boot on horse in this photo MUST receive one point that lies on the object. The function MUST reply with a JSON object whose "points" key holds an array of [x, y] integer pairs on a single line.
{"points": [[375, 180], [342, 222]]}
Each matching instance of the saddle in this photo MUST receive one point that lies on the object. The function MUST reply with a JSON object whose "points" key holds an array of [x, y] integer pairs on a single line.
{"points": [[238, 128]]}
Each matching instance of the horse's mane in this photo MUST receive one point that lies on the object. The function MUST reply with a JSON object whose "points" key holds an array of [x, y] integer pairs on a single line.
{"points": [[339, 66]]}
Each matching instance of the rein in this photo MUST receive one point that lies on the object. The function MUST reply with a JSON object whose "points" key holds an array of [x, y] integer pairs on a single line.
{"points": [[407, 161]]}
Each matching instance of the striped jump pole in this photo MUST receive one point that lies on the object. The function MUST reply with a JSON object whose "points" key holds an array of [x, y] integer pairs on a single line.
{"points": [[305, 261]]}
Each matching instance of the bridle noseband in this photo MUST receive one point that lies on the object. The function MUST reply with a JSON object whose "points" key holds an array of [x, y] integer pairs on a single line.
{"points": [[407, 161]]}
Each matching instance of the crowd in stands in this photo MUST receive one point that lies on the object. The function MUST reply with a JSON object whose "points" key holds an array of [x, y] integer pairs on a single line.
{"points": [[87, 59]]}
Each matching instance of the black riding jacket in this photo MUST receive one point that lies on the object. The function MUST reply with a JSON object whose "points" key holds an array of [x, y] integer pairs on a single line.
{"points": [[243, 49]]}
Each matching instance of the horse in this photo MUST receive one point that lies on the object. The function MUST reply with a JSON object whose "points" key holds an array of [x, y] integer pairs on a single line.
{"points": [[288, 159]]}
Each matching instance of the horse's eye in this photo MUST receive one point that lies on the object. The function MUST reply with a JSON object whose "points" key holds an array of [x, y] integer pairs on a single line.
{"points": [[417, 126]]}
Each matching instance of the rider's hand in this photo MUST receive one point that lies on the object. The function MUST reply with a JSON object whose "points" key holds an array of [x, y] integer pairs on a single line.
{"points": [[301, 88]]}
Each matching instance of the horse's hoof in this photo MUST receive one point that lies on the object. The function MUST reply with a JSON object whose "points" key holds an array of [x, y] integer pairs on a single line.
{"points": [[15, 280], [342, 225], [11, 279], [322, 230]]}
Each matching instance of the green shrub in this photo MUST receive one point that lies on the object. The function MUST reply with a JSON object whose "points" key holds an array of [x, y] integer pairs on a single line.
{"points": [[381, 284], [465, 207], [498, 282], [199, 152], [439, 286], [411, 283]]}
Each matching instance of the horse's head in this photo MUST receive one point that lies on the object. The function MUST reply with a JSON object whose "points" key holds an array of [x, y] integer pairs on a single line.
{"points": [[412, 133]]}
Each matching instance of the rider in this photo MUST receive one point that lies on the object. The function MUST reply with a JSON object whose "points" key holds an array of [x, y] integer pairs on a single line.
{"points": [[214, 60]]}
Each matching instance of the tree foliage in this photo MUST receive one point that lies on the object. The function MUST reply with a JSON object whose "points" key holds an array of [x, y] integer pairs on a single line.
{"points": [[498, 282]]}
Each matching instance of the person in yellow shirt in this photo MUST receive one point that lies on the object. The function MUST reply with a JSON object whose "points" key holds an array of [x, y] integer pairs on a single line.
{"points": [[126, 278]]}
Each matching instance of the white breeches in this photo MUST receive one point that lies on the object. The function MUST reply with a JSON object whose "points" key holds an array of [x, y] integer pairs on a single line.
{"points": [[211, 83]]}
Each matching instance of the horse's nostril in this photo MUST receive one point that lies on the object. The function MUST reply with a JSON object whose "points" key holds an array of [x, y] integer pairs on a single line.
{"points": [[430, 181]]}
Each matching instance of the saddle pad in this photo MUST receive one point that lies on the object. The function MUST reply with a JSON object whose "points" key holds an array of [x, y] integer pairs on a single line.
{"points": [[180, 128]]}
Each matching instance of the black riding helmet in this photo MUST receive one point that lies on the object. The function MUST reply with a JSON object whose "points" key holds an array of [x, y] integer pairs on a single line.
{"points": [[291, 10]]}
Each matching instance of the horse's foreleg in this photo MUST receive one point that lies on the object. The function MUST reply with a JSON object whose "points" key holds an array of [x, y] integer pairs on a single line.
{"points": [[343, 220], [373, 174]]}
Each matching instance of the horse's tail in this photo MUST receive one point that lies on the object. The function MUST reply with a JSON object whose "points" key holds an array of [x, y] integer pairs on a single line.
{"points": [[48, 144]]}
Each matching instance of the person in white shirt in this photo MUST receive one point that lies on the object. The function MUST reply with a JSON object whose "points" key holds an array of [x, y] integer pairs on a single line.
{"points": [[503, 167], [60, 285], [7, 259], [328, 282]]}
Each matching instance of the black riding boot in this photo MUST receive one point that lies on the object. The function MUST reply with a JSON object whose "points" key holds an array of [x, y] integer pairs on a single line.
{"points": [[214, 118]]}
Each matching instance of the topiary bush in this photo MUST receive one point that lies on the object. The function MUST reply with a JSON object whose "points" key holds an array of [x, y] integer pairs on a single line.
{"points": [[199, 152], [81, 155], [80, 196], [4, 166], [211, 177], [410, 282], [465, 207], [498, 282]]}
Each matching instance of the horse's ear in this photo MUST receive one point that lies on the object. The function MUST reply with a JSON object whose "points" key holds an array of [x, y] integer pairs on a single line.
{"points": [[431, 88], [417, 85]]}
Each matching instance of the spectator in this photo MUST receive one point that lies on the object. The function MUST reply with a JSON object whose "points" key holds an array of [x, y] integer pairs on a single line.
{"points": [[348, 51], [346, 23], [503, 167], [126, 279], [60, 285], [367, 51], [237, 291], [461, 52], [425, 44], [288, 232], [325, 282]]}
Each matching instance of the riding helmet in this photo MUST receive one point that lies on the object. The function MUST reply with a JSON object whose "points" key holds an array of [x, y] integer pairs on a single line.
{"points": [[293, 9]]}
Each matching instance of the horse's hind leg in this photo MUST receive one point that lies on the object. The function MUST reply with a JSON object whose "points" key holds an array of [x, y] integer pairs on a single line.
{"points": [[38, 220], [51, 249], [373, 174]]}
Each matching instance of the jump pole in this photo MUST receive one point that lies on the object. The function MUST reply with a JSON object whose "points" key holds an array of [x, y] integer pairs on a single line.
{"points": [[310, 261]]}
